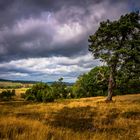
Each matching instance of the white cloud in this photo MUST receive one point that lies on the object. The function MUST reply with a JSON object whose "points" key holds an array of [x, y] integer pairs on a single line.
{"points": [[51, 67]]}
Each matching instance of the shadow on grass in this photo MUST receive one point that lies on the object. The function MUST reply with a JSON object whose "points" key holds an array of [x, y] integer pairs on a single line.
{"points": [[14, 103], [110, 117], [131, 115], [30, 115], [85, 119], [77, 118]]}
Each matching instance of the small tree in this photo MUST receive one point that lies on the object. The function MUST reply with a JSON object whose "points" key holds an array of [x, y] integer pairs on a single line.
{"points": [[117, 44], [59, 89]]}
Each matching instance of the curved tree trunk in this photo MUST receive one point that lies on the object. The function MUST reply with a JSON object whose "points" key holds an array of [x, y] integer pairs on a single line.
{"points": [[111, 85]]}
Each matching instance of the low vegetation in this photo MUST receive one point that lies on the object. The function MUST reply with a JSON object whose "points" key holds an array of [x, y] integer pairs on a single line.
{"points": [[6, 95], [73, 119], [40, 92]]}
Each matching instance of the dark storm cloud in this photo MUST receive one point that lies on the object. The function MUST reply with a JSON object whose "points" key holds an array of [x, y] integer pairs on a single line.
{"points": [[44, 28], [13, 70], [11, 10]]}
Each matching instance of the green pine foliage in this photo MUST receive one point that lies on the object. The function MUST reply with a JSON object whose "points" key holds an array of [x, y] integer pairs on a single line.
{"points": [[117, 43]]}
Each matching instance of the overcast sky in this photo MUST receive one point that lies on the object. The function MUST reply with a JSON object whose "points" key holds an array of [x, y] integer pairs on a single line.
{"points": [[48, 39]]}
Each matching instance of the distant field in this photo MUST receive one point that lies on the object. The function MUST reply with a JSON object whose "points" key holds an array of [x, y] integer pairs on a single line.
{"points": [[73, 119], [9, 85], [13, 85]]}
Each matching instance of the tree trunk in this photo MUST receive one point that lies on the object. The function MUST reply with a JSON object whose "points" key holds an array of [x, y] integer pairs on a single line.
{"points": [[111, 85]]}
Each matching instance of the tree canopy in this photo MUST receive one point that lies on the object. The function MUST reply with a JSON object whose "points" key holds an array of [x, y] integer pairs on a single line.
{"points": [[117, 43]]}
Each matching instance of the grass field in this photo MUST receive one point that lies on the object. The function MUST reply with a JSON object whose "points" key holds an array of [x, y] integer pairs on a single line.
{"points": [[73, 119]]}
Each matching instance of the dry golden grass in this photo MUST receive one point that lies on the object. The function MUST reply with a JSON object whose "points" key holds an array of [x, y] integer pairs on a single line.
{"points": [[75, 119]]}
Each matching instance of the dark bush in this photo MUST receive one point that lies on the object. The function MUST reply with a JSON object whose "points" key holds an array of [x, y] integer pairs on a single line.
{"points": [[7, 94], [30, 97], [47, 97], [40, 92], [59, 89], [93, 83]]}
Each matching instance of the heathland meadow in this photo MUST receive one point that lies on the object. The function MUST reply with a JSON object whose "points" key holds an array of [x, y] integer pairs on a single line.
{"points": [[71, 119]]}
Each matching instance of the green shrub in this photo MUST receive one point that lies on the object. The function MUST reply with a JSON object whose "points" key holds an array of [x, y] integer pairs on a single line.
{"points": [[40, 92], [93, 83], [7, 94], [30, 97], [47, 97], [59, 89]]}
